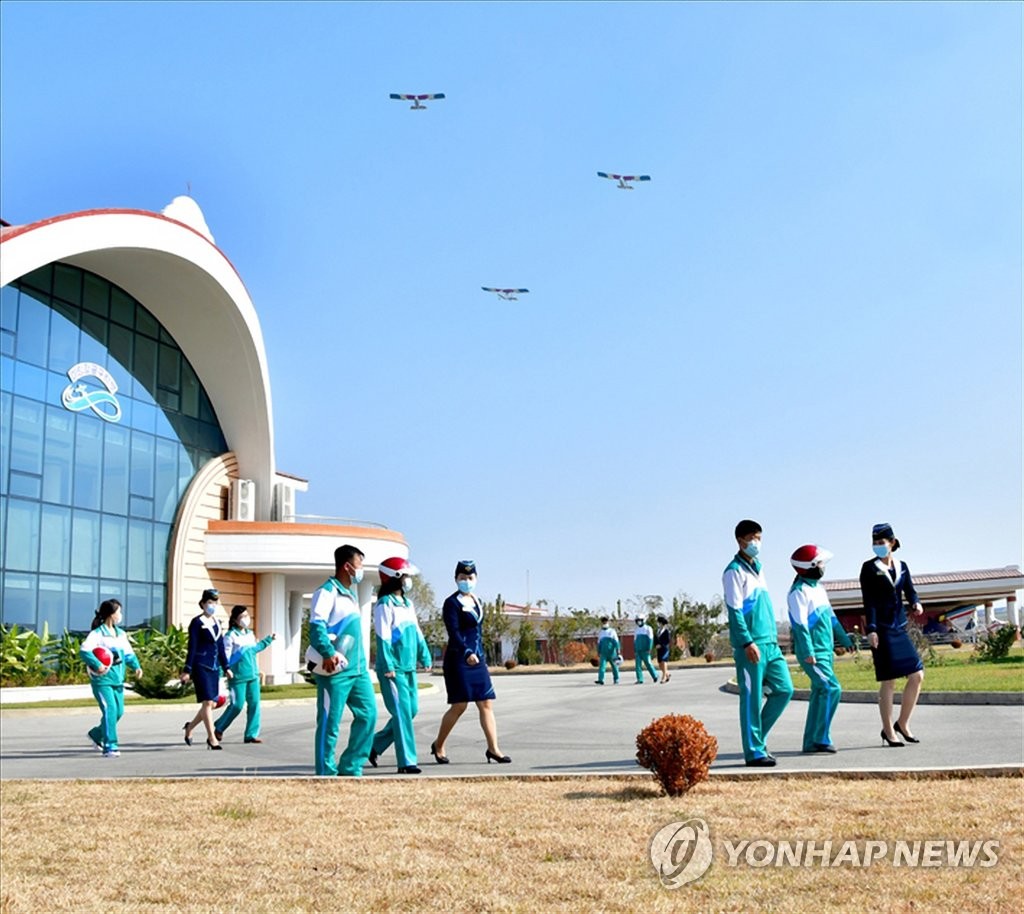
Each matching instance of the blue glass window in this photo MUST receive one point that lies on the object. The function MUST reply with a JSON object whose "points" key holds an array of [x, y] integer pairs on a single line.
{"points": [[86, 503]]}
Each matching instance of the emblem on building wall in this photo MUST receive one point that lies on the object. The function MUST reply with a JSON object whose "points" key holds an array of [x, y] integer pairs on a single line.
{"points": [[92, 387]]}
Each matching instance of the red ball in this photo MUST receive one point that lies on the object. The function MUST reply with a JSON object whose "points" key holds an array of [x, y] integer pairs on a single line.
{"points": [[221, 701], [103, 655]]}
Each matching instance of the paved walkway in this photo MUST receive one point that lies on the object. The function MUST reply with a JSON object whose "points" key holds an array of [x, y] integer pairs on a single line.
{"points": [[549, 724]]}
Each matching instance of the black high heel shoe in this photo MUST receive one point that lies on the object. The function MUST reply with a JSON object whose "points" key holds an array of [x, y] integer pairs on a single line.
{"points": [[188, 739], [910, 739], [210, 745], [440, 759], [500, 759], [890, 742], [372, 759]]}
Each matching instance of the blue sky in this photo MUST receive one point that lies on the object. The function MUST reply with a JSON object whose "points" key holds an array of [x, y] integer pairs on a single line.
{"points": [[811, 316]]}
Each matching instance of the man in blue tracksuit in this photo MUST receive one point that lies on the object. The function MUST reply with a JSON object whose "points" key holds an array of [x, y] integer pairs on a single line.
{"points": [[753, 634], [815, 631], [337, 661]]}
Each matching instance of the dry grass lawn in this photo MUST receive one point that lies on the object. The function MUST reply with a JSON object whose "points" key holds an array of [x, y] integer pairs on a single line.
{"points": [[574, 845]]}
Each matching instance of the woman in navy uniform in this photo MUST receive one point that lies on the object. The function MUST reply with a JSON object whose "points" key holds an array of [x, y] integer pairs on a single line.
{"points": [[206, 658], [466, 676], [884, 582]]}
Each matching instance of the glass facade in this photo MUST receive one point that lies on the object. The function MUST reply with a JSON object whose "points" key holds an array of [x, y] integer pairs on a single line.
{"points": [[103, 424]]}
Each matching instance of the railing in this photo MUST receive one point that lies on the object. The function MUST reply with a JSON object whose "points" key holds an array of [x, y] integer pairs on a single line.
{"points": [[333, 521]]}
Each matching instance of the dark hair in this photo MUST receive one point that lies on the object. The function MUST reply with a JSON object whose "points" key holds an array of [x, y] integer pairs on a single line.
{"points": [[389, 585], [345, 554], [663, 620], [746, 527], [106, 610], [236, 612], [604, 619]]}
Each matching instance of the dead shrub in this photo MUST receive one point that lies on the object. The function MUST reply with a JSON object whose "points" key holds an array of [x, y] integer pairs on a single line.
{"points": [[576, 652], [678, 750]]}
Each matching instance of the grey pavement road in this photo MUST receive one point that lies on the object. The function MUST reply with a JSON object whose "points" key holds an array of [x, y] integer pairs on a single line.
{"points": [[549, 724]]}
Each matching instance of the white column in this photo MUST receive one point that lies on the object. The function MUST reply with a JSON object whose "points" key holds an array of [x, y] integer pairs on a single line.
{"points": [[365, 591], [990, 614], [273, 617], [293, 660], [1012, 613]]}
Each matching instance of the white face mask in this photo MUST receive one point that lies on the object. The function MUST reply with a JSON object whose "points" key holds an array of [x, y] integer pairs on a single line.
{"points": [[752, 549], [243, 621], [407, 585], [357, 575], [209, 608]]}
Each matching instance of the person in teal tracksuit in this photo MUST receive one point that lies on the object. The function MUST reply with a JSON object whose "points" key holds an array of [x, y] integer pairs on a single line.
{"points": [[337, 661], [643, 639], [815, 631], [607, 651], [107, 678], [400, 648], [753, 634], [241, 648]]}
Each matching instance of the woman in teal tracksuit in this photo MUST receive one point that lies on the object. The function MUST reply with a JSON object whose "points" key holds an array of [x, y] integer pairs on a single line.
{"points": [[815, 631], [241, 648], [400, 647], [106, 672]]}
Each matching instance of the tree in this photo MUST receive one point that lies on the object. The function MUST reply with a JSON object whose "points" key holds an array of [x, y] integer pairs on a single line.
{"points": [[496, 626], [698, 623], [431, 621], [527, 652]]}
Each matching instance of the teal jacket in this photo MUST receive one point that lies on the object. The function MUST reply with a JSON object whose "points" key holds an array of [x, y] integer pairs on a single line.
{"points": [[241, 647], [814, 625], [400, 642], [608, 643], [750, 610], [116, 641], [336, 626]]}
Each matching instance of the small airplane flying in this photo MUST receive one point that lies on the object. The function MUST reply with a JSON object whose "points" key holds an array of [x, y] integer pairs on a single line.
{"points": [[623, 179], [506, 294], [416, 99]]}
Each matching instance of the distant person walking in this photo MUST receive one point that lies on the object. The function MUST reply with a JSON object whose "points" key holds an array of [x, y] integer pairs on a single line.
{"points": [[400, 648], [337, 660], [815, 631], [643, 640], [466, 677], [203, 664], [241, 648], [753, 634], [106, 651], [884, 583], [664, 648], [608, 651]]}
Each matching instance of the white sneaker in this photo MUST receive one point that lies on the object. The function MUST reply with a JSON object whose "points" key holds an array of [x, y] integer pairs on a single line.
{"points": [[111, 753]]}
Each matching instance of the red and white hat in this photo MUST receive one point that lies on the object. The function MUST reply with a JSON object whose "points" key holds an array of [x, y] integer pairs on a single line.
{"points": [[397, 567], [809, 556]]}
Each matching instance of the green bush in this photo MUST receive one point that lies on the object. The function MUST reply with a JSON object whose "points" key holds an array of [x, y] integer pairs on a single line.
{"points": [[997, 644], [162, 656], [23, 656]]}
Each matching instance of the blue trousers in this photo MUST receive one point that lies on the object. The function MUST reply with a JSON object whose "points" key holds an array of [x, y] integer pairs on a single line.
{"points": [[244, 693], [825, 692], [401, 698], [333, 693], [110, 698], [769, 674]]}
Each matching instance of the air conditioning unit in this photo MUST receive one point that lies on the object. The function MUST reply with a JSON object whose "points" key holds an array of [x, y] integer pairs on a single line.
{"points": [[242, 500], [284, 503]]}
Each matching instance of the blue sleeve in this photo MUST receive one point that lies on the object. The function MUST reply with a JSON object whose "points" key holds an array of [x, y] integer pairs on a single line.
{"points": [[841, 635], [865, 595], [263, 644], [908, 586], [222, 657], [191, 656], [450, 612]]}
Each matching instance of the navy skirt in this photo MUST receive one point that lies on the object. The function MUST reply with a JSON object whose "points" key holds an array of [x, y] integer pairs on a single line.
{"points": [[207, 683], [895, 655], [465, 683]]}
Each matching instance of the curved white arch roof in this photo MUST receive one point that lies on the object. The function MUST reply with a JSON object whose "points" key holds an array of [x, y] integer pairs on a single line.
{"points": [[188, 284]]}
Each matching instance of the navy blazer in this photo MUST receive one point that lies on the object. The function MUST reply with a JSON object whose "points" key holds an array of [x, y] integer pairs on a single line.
{"points": [[463, 626], [205, 644], [883, 597]]}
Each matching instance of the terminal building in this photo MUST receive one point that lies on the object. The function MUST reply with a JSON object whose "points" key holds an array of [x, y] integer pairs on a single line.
{"points": [[137, 439]]}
